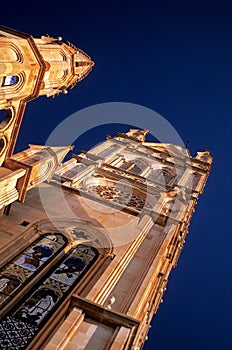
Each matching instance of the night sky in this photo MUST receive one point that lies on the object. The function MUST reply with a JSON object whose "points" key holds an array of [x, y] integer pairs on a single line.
{"points": [[174, 58]]}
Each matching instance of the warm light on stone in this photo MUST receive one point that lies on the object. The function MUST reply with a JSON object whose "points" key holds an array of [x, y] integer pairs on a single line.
{"points": [[86, 245]]}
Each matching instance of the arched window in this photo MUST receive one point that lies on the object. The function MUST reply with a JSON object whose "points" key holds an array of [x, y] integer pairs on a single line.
{"points": [[135, 166], [193, 181], [2, 144], [169, 175], [73, 171], [15, 275], [6, 116], [165, 176], [23, 322], [126, 165], [10, 80]]}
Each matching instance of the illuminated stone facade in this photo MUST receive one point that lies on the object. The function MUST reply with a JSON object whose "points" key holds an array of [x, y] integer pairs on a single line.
{"points": [[87, 248], [29, 68]]}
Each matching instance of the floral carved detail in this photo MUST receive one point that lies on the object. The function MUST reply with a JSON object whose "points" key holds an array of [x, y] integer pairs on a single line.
{"points": [[117, 195]]}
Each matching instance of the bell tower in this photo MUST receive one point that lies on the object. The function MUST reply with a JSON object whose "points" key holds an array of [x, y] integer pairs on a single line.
{"points": [[31, 67]]}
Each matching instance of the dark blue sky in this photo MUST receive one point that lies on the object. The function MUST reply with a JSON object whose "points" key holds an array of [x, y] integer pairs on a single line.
{"points": [[173, 57]]}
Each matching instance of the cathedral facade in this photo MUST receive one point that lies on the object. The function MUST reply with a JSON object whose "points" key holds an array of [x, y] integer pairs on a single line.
{"points": [[86, 245]]}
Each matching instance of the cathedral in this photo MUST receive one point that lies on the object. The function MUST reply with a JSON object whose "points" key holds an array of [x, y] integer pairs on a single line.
{"points": [[86, 244]]}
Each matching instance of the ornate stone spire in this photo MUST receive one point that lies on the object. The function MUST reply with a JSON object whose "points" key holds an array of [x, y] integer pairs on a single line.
{"points": [[31, 67]]}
